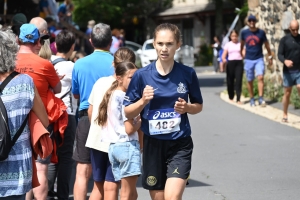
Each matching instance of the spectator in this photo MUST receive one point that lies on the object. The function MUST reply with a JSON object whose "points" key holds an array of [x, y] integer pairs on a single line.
{"points": [[83, 79], [45, 79], [65, 11], [16, 170], [253, 39], [115, 45], [17, 21], [44, 10], [216, 47], [65, 42], [288, 54]]}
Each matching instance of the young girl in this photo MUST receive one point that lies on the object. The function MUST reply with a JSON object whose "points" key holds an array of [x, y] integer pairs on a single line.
{"points": [[124, 150], [235, 69], [104, 182], [159, 93]]}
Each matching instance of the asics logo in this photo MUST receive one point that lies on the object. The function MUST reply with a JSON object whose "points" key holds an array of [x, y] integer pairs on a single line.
{"points": [[164, 114]]}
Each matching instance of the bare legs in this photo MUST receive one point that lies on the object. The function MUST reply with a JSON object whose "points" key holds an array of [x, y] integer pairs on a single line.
{"points": [[83, 174], [170, 193]]}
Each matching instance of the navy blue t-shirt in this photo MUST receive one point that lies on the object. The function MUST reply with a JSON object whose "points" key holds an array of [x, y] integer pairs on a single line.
{"points": [[159, 115], [254, 42]]}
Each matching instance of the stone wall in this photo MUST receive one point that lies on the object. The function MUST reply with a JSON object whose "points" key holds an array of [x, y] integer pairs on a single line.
{"points": [[274, 17]]}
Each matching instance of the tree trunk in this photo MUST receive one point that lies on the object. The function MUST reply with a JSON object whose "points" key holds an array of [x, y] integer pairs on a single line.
{"points": [[219, 17]]}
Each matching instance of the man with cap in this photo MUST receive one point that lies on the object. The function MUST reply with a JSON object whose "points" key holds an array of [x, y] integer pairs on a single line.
{"points": [[253, 39], [44, 77]]}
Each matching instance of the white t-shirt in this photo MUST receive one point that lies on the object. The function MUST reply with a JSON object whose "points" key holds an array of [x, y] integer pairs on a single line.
{"points": [[66, 68], [215, 49], [99, 89], [114, 130]]}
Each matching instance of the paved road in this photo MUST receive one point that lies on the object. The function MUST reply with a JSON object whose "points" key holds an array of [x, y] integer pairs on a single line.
{"points": [[239, 155]]}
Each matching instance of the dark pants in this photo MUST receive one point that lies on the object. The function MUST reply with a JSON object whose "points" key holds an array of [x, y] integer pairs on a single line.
{"points": [[234, 72], [63, 169], [14, 197]]}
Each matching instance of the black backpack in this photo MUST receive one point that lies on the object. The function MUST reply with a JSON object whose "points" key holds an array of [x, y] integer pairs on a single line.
{"points": [[6, 143]]}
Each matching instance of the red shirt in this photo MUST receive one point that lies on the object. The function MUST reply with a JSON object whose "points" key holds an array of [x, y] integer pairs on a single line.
{"points": [[41, 71]]}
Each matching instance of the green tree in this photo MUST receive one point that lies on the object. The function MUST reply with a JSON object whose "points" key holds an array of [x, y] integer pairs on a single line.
{"points": [[115, 12]]}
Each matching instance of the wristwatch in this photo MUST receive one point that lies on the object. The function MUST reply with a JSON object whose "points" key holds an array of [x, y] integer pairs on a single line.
{"points": [[270, 57]]}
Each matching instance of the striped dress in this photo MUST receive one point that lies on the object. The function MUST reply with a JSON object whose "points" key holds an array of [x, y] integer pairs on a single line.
{"points": [[16, 170]]}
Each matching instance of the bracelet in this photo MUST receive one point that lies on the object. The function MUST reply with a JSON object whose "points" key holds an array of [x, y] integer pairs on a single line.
{"points": [[270, 57]]}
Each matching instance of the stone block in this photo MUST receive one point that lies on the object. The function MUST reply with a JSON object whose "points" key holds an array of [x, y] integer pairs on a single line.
{"points": [[252, 4], [287, 17]]}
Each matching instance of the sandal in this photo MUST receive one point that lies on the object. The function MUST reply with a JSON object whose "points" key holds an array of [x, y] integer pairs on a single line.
{"points": [[285, 120]]}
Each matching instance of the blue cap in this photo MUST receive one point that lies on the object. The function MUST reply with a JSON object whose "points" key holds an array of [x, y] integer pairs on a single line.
{"points": [[29, 33], [251, 17]]}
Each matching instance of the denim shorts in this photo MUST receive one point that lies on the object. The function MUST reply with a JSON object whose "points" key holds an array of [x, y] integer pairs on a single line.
{"points": [[45, 161], [125, 159], [254, 68], [291, 79]]}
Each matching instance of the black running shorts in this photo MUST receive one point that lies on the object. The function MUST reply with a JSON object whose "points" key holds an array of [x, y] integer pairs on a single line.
{"points": [[163, 159]]}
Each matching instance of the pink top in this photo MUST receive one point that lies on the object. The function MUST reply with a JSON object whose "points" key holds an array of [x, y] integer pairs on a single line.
{"points": [[233, 50]]}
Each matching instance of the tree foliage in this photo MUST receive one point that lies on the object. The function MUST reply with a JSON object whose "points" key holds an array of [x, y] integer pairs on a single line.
{"points": [[115, 12]]}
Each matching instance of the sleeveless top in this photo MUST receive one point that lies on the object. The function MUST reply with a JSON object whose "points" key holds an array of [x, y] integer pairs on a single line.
{"points": [[16, 170]]}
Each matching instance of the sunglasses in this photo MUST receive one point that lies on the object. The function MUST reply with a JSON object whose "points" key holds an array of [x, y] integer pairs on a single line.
{"points": [[251, 20]]}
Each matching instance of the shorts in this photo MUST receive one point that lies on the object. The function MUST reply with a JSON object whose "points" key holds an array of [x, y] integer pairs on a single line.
{"points": [[81, 153], [45, 161], [101, 166], [291, 79], [163, 159], [125, 158], [254, 68]]}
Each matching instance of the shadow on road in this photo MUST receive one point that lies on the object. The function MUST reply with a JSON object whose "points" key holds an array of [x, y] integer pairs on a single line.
{"points": [[212, 81]]}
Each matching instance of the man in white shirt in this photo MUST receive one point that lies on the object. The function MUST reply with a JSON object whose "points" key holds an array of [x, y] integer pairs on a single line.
{"points": [[65, 42]]}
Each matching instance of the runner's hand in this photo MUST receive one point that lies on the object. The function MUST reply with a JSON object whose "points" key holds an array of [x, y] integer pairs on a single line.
{"points": [[180, 106], [148, 94], [288, 63]]}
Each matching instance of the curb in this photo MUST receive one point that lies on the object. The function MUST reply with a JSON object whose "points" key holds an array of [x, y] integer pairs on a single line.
{"points": [[269, 112]]}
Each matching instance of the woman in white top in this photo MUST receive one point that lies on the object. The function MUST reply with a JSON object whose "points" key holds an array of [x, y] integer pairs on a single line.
{"points": [[121, 133]]}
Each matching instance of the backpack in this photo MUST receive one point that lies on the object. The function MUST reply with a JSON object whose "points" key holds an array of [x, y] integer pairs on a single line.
{"points": [[6, 143]]}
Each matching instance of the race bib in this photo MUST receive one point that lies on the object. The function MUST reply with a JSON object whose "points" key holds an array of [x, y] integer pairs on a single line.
{"points": [[163, 121]]}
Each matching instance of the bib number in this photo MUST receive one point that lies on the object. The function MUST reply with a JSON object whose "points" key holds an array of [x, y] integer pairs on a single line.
{"points": [[163, 121]]}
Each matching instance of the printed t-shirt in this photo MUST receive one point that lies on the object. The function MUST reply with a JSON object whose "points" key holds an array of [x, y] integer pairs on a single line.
{"points": [[114, 130], [234, 50], [41, 71], [66, 68], [158, 117], [16, 170], [254, 42], [87, 71], [99, 89]]}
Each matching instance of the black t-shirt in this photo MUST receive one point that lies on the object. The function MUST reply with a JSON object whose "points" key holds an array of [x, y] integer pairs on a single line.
{"points": [[289, 49]]}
